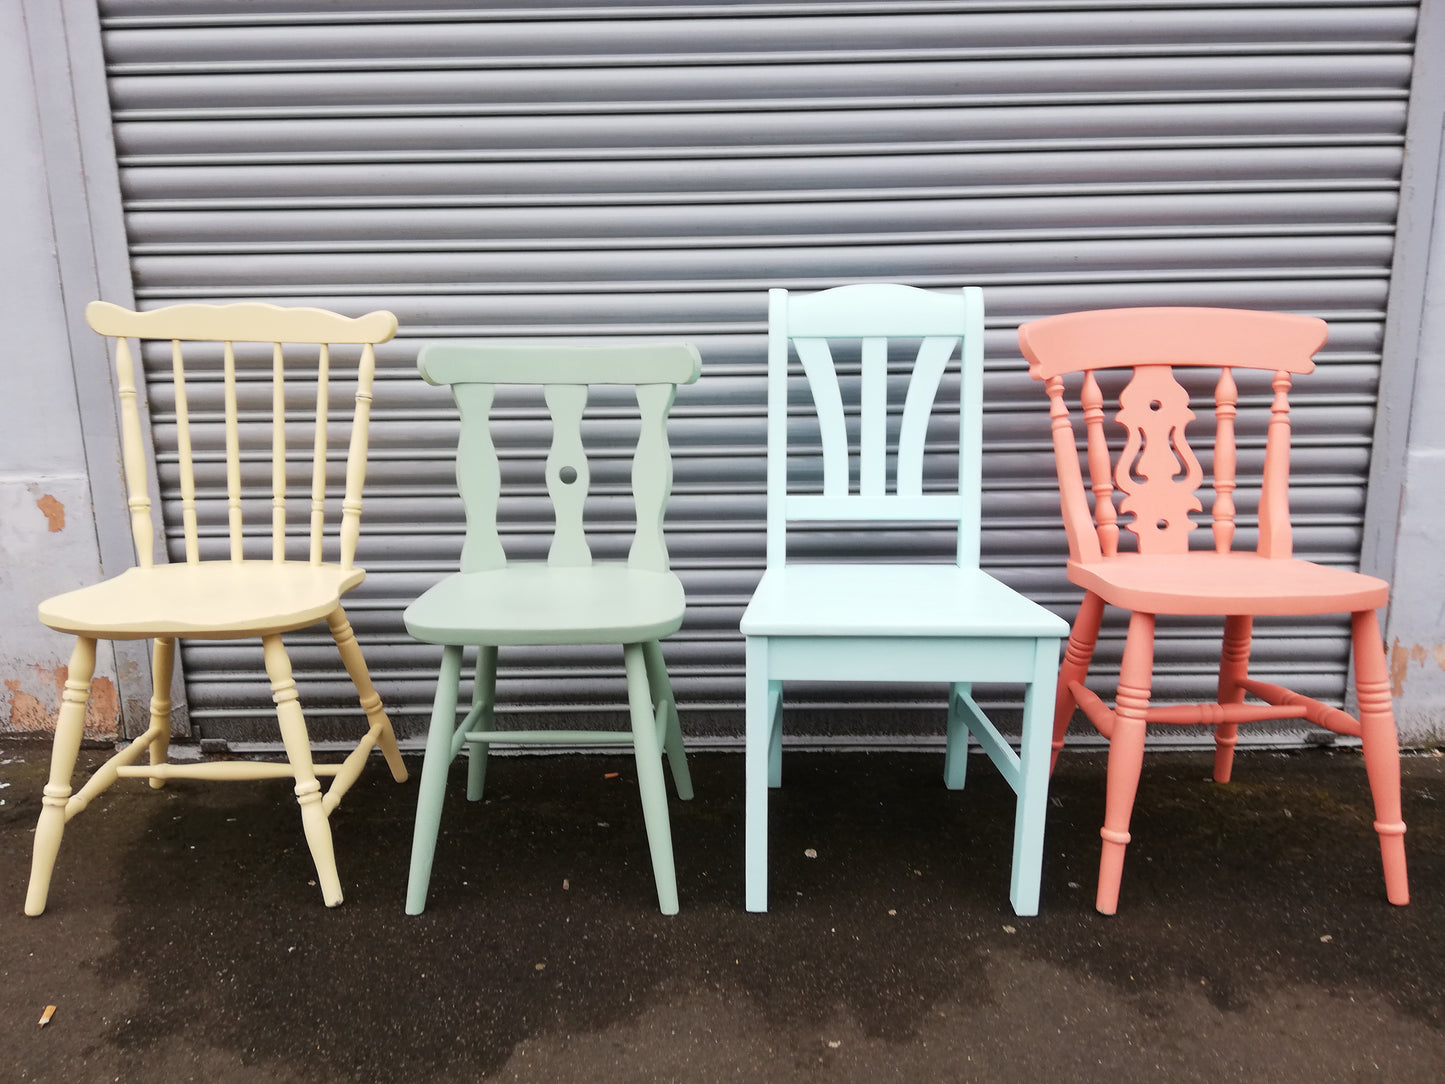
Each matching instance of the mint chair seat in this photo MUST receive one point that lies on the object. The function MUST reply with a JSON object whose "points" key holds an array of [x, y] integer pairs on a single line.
{"points": [[893, 621], [569, 598]]}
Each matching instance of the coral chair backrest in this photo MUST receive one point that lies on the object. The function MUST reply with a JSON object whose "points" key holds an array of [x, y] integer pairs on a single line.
{"points": [[1157, 474], [564, 372], [312, 332], [863, 319]]}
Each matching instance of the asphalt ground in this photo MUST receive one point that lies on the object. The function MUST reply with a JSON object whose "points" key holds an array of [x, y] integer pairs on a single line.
{"points": [[185, 938]]}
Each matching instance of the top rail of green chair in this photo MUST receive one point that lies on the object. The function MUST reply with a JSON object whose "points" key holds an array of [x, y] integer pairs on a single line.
{"points": [[558, 363]]}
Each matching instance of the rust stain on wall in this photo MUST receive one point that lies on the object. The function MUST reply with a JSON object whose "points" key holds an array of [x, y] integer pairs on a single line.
{"points": [[29, 713], [1401, 656], [54, 512]]}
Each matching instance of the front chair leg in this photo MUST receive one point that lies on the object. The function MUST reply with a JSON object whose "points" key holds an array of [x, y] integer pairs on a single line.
{"points": [[69, 728], [1381, 749], [431, 792], [298, 752], [1126, 756], [650, 784]]}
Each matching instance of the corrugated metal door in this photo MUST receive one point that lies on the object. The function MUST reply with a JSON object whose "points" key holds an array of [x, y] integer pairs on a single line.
{"points": [[620, 170]]}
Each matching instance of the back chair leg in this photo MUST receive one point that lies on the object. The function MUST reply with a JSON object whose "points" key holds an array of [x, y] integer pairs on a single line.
{"points": [[1075, 667], [661, 692], [432, 790], [69, 728], [1126, 756], [163, 659], [355, 664], [955, 742], [1233, 668], [1381, 750], [484, 699], [650, 783], [298, 752]]}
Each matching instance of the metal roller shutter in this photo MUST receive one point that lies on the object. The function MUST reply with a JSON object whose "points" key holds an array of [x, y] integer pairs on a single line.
{"points": [[598, 170]]}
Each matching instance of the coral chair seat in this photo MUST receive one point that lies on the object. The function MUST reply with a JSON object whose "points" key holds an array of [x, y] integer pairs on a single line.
{"points": [[1205, 583], [211, 600], [231, 597], [1150, 475]]}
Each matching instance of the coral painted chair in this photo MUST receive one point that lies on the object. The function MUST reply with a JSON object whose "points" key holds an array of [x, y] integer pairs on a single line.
{"points": [[568, 599], [227, 598], [899, 621], [1158, 477]]}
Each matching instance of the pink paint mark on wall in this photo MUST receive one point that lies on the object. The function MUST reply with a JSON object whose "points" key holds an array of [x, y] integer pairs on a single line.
{"points": [[54, 512], [32, 713]]}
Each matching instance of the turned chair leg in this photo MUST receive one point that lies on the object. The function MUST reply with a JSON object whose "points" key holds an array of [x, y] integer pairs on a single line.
{"points": [[1233, 668], [69, 728], [1126, 756], [1075, 667], [355, 664], [298, 752], [163, 659], [1381, 750]]}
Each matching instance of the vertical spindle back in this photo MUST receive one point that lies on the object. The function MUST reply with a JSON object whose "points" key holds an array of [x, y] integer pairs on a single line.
{"points": [[312, 331]]}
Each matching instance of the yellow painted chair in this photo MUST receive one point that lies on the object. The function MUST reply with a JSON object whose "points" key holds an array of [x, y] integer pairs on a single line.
{"points": [[236, 596]]}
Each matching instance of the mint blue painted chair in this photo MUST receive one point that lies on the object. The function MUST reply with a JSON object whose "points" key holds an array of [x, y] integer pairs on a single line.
{"points": [[568, 599], [895, 622]]}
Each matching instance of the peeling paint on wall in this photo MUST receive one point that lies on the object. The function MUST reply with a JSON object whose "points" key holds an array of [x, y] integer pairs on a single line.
{"points": [[1402, 655], [35, 709], [54, 513]]}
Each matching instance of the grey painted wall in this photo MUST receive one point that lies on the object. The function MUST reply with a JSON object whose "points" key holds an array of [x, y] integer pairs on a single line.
{"points": [[48, 540]]}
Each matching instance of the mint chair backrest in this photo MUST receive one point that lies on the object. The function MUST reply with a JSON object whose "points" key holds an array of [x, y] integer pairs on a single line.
{"points": [[869, 316], [564, 372]]}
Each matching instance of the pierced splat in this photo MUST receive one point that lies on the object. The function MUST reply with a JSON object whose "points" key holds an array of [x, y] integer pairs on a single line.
{"points": [[1158, 472]]}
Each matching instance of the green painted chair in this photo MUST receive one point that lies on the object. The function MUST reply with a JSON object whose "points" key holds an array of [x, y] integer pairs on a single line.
{"points": [[896, 622], [568, 599]]}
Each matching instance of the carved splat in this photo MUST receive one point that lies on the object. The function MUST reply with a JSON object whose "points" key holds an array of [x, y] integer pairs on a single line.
{"points": [[1157, 472]]}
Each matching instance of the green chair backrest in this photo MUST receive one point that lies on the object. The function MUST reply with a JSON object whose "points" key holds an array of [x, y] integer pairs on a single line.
{"points": [[564, 372]]}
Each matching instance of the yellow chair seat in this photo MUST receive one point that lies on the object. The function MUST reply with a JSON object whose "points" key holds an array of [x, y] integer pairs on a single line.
{"points": [[209, 600]]}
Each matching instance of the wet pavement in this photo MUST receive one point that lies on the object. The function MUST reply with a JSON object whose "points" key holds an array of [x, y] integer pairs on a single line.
{"points": [[185, 938]]}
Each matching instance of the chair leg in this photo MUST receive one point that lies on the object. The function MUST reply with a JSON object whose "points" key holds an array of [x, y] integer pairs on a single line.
{"points": [[1233, 668], [660, 689], [955, 748], [1033, 781], [432, 790], [758, 741], [69, 728], [163, 658], [775, 734], [650, 783], [1126, 756], [298, 752], [484, 700], [355, 664], [1075, 667], [1381, 750]]}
